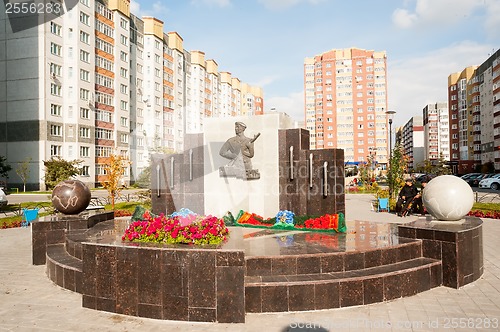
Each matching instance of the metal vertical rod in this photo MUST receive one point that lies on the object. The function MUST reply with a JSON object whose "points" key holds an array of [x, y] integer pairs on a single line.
{"points": [[310, 170], [171, 172], [325, 178], [190, 164], [291, 162], [158, 180]]}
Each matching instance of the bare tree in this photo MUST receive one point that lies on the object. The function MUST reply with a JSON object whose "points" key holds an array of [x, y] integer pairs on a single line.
{"points": [[23, 171]]}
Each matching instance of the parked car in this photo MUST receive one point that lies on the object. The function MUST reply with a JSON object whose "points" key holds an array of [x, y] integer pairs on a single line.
{"points": [[474, 179], [426, 177], [3, 199], [468, 175], [492, 182]]}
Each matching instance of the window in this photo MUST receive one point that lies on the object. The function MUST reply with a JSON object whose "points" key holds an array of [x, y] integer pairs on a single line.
{"points": [[84, 132], [84, 37], [104, 116], [84, 75], [123, 72], [55, 89], [55, 109], [103, 151], [104, 81], [84, 151], [55, 130], [84, 18], [84, 94], [100, 169], [104, 28], [103, 133], [124, 121], [55, 49], [123, 89], [123, 40], [123, 105], [84, 113], [102, 10], [55, 150], [85, 2], [123, 56], [123, 23], [84, 56], [85, 171], [104, 46], [55, 28], [55, 69], [104, 98], [123, 138]]}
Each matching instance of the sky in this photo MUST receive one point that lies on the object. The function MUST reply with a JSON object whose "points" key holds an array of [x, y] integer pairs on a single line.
{"points": [[265, 42]]}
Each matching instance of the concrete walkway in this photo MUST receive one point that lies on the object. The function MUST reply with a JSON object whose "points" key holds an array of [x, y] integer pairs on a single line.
{"points": [[29, 301]]}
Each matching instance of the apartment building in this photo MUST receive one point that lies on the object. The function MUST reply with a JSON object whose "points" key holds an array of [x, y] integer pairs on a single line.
{"points": [[461, 127], [99, 81], [436, 132], [412, 141], [487, 124], [345, 103], [473, 96]]}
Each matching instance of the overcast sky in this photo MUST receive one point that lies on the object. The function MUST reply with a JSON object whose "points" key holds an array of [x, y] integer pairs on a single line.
{"points": [[264, 42]]}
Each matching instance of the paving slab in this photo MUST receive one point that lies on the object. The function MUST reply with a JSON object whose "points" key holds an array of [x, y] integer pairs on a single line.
{"points": [[29, 301]]}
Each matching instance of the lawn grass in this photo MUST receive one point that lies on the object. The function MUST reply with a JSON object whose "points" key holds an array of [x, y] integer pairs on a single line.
{"points": [[485, 207], [15, 221]]}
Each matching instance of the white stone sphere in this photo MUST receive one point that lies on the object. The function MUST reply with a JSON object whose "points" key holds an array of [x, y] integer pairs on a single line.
{"points": [[448, 198]]}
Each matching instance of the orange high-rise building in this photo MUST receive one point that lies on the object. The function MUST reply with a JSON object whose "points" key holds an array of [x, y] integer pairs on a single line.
{"points": [[346, 101]]}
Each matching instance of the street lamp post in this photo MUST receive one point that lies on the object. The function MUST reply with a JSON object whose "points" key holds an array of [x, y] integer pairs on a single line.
{"points": [[390, 115]]}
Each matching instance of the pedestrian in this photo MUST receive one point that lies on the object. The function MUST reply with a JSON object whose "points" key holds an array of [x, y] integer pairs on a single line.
{"points": [[406, 196]]}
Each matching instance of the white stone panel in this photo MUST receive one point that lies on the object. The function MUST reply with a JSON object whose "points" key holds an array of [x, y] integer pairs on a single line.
{"points": [[259, 196]]}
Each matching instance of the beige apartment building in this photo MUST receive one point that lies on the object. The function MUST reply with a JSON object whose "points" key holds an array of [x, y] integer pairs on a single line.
{"points": [[474, 111], [346, 103], [99, 81]]}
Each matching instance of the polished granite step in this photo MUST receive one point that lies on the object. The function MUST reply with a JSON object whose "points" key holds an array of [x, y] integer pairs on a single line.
{"points": [[64, 269], [341, 289]]}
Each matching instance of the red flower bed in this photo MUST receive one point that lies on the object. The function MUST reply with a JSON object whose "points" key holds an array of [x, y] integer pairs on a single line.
{"points": [[487, 214]]}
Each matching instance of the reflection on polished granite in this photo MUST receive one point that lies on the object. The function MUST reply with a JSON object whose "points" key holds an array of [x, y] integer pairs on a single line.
{"points": [[361, 236]]}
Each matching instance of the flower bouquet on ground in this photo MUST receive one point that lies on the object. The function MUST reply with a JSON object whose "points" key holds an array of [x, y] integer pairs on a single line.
{"points": [[183, 227], [287, 220], [334, 222]]}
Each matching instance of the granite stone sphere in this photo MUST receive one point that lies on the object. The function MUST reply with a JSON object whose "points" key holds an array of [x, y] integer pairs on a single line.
{"points": [[71, 197], [448, 198]]}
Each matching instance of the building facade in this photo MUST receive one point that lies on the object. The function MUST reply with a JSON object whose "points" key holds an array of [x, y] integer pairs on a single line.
{"points": [[412, 141], [345, 96], [473, 96], [436, 132], [99, 81]]}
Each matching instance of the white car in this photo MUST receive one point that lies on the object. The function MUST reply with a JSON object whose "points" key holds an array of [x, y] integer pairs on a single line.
{"points": [[492, 182], [3, 199]]}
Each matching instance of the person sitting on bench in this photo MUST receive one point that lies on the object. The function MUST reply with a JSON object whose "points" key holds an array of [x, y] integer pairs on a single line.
{"points": [[406, 196]]}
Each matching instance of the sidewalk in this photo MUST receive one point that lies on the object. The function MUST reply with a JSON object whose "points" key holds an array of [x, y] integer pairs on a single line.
{"points": [[29, 301]]}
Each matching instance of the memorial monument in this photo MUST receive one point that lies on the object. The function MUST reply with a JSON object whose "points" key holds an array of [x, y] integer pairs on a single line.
{"points": [[275, 170]]}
